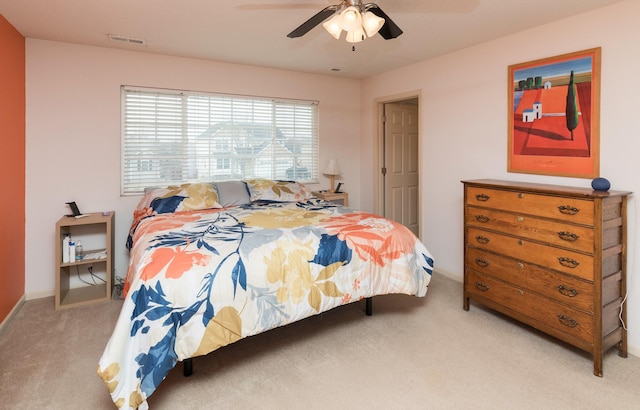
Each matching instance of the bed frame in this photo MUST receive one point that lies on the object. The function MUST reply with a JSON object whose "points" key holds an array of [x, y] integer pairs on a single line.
{"points": [[187, 369]]}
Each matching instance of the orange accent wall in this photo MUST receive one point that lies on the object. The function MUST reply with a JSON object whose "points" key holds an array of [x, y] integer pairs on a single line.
{"points": [[12, 167]]}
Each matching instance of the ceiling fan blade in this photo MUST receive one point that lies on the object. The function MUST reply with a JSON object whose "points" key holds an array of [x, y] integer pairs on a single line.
{"points": [[318, 18], [390, 29], [313, 21], [280, 6]]}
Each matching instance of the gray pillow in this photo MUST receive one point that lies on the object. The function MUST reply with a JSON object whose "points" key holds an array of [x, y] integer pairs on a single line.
{"points": [[231, 193]]}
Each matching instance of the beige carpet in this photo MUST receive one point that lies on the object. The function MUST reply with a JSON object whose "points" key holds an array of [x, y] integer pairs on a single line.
{"points": [[412, 353]]}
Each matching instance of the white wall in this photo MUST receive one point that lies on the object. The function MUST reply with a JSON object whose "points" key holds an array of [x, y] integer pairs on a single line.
{"points": [[73, 132], [459, 143]]}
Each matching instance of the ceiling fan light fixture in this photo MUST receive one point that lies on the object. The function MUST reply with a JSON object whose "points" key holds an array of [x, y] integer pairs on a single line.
{"points": [[371, 23], [356, 36], [351, 19], [351, 15], [334, 26]]}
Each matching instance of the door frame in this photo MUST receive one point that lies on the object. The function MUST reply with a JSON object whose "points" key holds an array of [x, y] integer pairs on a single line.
{"points": [[378, 149]]}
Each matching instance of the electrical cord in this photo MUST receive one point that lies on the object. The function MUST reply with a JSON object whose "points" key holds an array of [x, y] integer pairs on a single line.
{"points": [[93, 276], [118, 287], [81, 279], [631, 204], [624, 325]]}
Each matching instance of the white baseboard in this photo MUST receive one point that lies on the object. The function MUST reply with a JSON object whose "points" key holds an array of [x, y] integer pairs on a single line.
{"points": [[40, 295], [449, 275], [12, 313]]}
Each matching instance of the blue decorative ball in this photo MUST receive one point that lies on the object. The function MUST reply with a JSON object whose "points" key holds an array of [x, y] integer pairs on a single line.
{"points": [[601, 184]]}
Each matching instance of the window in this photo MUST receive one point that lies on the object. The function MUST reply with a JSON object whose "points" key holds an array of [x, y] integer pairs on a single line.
{"points": [[224, 163], [171, 137]]}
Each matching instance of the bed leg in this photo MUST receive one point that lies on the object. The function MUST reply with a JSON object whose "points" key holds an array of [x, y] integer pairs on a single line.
{"points": [[369, 306], [188, 367]]}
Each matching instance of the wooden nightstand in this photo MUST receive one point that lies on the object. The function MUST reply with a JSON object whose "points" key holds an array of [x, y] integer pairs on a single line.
{"points": [[96, 232], [340, 198]]}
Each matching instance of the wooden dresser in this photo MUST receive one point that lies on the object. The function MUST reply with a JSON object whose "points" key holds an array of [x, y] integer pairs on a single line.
{"points": [[552, 257]]}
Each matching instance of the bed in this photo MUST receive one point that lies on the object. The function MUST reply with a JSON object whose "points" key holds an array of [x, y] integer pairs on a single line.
{"points": [[212, 263]]}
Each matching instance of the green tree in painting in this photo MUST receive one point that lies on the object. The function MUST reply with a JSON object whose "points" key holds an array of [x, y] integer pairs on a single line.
{"points": [[529, 83], [572, 106], [522, 84], [538, 81]]}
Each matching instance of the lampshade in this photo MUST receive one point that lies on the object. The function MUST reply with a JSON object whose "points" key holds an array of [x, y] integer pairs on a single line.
{"points": [[351, 19], [332, 168], [356, 20], [356, 36], [371, 23], [334, 26]]}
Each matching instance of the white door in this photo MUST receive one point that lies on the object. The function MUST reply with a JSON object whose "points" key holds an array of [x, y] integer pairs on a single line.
{"points": [[400, 168]]}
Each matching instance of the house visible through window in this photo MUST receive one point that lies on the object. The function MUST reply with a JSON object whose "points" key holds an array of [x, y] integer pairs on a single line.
{"points": [[171, 137], [224, 163]]}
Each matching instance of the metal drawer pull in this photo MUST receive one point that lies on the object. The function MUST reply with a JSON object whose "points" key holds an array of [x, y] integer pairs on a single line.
{"points": [[568, 262], [567, 321], [572, 293], [520, 265], [482, 218], [520, 242], [568, 236], [520, 195], [482, 239], [568, 210], [482, 197], [481, 286], [482, 262]]}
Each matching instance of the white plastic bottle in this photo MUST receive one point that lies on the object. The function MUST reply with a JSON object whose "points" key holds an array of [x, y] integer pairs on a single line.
{"points": [[65, 248], [72, 251]]}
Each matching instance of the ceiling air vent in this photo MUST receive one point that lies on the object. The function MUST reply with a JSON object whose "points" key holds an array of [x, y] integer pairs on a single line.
{"points": [[127, 40]]}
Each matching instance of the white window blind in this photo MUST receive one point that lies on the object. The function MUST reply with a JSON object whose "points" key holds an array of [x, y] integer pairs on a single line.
{"points": [[171, 137]]}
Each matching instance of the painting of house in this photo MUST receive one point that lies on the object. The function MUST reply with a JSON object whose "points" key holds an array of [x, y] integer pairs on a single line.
{"points": [[532, 114]]}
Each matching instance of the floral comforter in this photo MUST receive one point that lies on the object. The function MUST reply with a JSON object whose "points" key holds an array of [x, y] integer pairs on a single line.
{"points": [[200, 280]]}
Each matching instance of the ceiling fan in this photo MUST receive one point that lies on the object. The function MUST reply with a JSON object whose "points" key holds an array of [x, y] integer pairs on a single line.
{"points": [[360, 20]]}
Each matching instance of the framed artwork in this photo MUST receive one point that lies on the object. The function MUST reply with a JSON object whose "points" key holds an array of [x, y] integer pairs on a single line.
{"points": [[554, 115]]}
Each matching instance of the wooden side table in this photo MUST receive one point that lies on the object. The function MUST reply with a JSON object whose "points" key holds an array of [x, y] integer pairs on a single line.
{"points": [[96, 232], [340, 198]]}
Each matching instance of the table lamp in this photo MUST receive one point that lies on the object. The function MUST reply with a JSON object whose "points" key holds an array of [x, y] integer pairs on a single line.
{"points": [[332, 169]]}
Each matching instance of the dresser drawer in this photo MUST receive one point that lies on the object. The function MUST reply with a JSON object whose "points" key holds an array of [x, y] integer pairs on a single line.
{"points": [[567, 209], [569, 262], [556, 286], [569, 236], [558, 316]]}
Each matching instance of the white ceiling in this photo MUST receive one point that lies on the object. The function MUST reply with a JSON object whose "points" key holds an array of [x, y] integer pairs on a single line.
{"points": [[254, 32]]}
